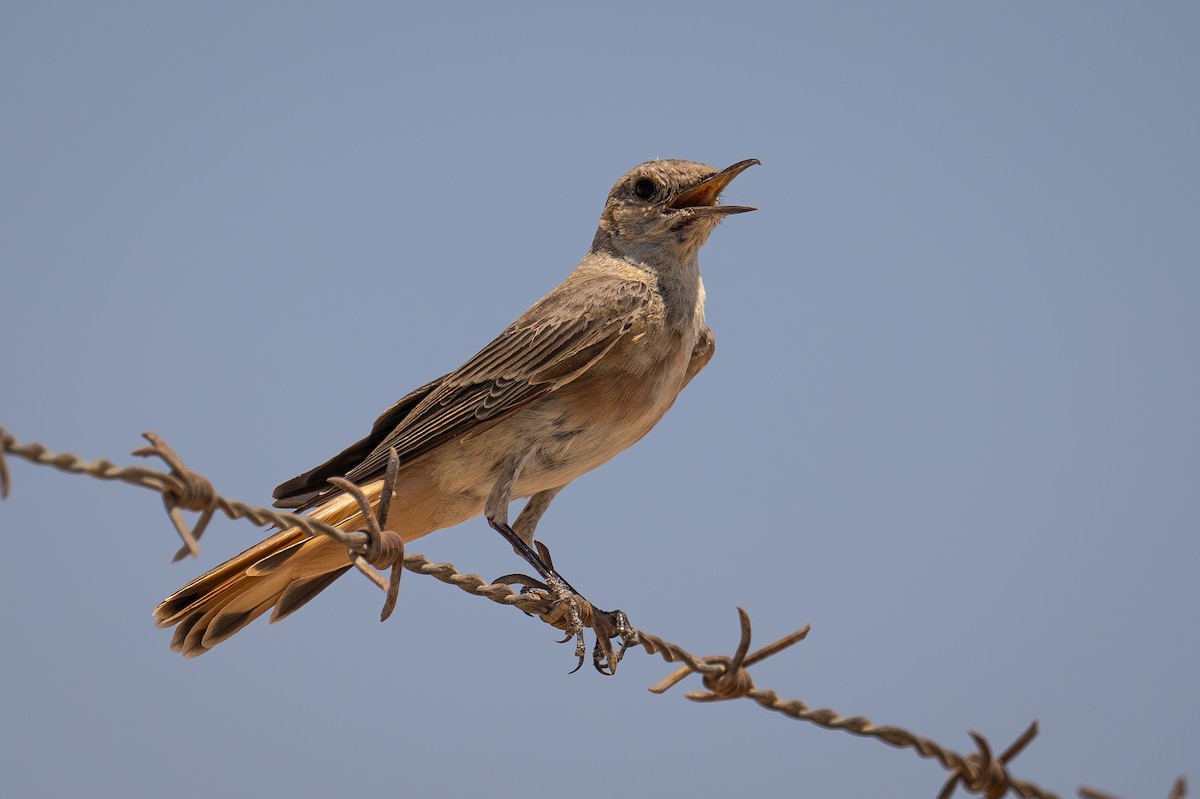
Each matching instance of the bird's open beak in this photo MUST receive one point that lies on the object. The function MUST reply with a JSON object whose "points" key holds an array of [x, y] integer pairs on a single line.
{"points": [[702, 198]]}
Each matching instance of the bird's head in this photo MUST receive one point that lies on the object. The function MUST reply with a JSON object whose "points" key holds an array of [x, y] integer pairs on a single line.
{"points": [[666, 209]]}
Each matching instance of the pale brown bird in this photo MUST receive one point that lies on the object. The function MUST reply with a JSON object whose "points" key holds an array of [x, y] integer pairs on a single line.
{"points": [[580, 376]]}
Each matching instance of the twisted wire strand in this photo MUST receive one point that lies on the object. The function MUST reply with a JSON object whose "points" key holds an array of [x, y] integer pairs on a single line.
{"points": [[166, 484], [724, 677]]}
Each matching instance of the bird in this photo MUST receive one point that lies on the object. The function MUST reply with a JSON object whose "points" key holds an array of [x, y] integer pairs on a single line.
{"points": [[582, 375]]}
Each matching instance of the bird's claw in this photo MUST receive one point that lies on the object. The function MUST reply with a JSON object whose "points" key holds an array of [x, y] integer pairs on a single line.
{"points": [[567, 612], [566, 601], [609, 625]]}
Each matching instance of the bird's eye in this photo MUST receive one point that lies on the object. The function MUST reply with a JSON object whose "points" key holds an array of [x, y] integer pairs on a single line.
{"points": [[645, 188]]}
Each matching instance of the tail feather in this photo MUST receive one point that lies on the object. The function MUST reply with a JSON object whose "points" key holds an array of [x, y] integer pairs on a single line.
{"points": [[283, 572], [224, 624], [296, 595], [173, 608], [181, 632], [273, 561]]}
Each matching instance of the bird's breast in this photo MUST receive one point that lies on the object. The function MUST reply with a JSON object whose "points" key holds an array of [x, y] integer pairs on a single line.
{"points": [[607, 409], [577, 427]]}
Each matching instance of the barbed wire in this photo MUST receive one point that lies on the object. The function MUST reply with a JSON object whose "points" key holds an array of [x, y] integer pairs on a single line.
{"points": [[374, 547]]}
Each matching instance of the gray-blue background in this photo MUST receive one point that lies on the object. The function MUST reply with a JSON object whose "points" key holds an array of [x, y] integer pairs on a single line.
{"points": [[952, 419]]}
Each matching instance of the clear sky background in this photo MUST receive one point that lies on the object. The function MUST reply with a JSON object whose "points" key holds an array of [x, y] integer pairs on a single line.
{"points": [[952, 419]]}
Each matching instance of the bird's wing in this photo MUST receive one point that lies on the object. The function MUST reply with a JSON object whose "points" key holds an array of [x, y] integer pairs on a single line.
{"points": [[551, 344], [702, 353], [301, 491]]}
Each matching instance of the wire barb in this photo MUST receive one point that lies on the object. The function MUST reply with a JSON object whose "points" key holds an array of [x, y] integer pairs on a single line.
{"points": [[727, 678], [983, 774], [383, 549], [191, 492]]}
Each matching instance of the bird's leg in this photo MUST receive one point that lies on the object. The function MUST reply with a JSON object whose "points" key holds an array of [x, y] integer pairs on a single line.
{"points": [[607, 625], [532, 513], [496, 512]]}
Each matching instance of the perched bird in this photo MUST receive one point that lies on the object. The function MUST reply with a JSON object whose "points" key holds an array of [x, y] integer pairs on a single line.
{"points": [[580, 376]]}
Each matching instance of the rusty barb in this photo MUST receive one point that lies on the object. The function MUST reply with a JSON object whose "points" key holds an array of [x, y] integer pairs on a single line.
{"points": [[384, 549], [724, 677], [190, 491], [375, 547]]}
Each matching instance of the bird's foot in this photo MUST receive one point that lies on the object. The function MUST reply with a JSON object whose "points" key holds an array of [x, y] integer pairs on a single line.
{"points": [[607, 626], [573, 614]]}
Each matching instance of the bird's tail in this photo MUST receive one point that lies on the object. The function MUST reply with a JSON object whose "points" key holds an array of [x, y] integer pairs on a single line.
{"points": [[283, 572]]}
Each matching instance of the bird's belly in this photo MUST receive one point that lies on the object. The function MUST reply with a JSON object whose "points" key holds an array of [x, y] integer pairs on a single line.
{"points": [[593, 419], [573, 452], [572, 431]]}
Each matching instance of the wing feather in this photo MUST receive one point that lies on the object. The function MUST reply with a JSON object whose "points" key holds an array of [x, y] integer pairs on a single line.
{"points": [[552, 343]]}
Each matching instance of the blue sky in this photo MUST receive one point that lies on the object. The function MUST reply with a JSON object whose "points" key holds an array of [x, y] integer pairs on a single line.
{"points": [[951, 421]]}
